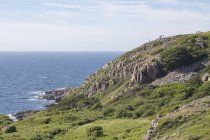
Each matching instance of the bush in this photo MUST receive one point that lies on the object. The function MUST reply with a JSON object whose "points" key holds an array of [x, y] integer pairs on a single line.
{"points": [[37, 137], [123, 114], [10, 129], [130, 108], [56, 131], [176, 57], [69, 118], [148, 112], [85, 121], [47, 121], [195, 137], [194, 81], [97, 106], [96, 131], [108, 111], [204, 90], [138, 113]]}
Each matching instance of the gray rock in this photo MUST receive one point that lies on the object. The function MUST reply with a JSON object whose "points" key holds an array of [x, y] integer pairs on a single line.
{"points": [[205, 77]]}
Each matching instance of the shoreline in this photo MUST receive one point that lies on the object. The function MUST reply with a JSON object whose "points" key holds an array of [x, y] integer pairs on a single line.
{"points": [[55, 96]]}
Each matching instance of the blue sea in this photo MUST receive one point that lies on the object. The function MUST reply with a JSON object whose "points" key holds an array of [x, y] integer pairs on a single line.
{"points": [[24, 75]]}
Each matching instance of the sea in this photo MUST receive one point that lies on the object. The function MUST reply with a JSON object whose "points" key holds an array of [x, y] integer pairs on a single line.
{"points": [[25, 75]]}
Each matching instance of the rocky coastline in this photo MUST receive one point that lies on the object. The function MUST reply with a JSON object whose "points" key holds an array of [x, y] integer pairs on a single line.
{"points": [[54, 95]]}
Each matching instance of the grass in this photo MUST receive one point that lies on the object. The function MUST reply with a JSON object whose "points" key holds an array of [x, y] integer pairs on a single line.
{"points": [[117, 128]]}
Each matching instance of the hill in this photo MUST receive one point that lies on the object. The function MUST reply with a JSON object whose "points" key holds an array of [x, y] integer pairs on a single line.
{"points": [[160, 90]]}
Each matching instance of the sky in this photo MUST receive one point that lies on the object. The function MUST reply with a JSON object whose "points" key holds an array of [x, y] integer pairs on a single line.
{"points": [[96, 25]]}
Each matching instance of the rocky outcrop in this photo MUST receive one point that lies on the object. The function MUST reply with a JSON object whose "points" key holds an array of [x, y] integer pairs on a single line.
{"points": [[146, 73], [21, 115], [99, 85], [57, 94], [180, 75]]}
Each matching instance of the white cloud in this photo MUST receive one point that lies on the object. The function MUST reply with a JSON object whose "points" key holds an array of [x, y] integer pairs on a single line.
{"points": [[98, 25]]}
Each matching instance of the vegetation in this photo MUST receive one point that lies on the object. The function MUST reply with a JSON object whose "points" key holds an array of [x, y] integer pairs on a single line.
{"points": [[123, 111], [176, 57]]}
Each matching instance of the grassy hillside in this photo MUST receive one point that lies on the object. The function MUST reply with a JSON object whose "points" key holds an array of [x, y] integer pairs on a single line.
{"points": [[119, 101]]}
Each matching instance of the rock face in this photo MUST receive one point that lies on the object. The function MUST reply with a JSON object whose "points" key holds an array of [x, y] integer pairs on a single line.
{"points": [[99, 85], [145, 74]]}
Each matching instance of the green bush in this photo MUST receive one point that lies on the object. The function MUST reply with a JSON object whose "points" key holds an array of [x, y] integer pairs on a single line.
{"points": [[108, 111], [79, 101], [56, 131], [148, 112], [204, 90], [97, 106], [194, 81], [47, 121], [176, 57], [195, 137], [10, 129], [37, 137], [138, 113], [69, 118], [123, 114], [130, 108], [95, 131], [84, 121]]}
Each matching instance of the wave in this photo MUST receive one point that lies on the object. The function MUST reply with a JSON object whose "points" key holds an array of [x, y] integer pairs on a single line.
{"points": [[39, 92], [43, 77], [12, 117]]}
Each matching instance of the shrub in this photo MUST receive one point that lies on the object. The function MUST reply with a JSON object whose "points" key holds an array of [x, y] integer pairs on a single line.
{"points": [[108, 111], [96, 131], [195, 137], [148, 112], [204, 90], [47, 121], [123, 114], [80, 101], [138, 113], [10, 129], [130, 108], [85, 121], [97, 106], [37, 137], [176, 57], [194, 81], [56, 131], [69, 118]]}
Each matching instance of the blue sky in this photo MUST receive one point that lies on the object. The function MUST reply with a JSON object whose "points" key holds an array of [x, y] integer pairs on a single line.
{"points": [[96, 25]]}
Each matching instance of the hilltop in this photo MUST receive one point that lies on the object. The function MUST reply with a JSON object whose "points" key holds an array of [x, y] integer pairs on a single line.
{"points": [[160, 90]]}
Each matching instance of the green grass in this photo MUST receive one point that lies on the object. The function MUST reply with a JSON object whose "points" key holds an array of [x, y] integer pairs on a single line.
{"points": [[118, 128]]}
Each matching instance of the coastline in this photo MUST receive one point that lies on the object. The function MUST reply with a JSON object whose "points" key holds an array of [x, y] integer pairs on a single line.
{"points": [[55, 96]]}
